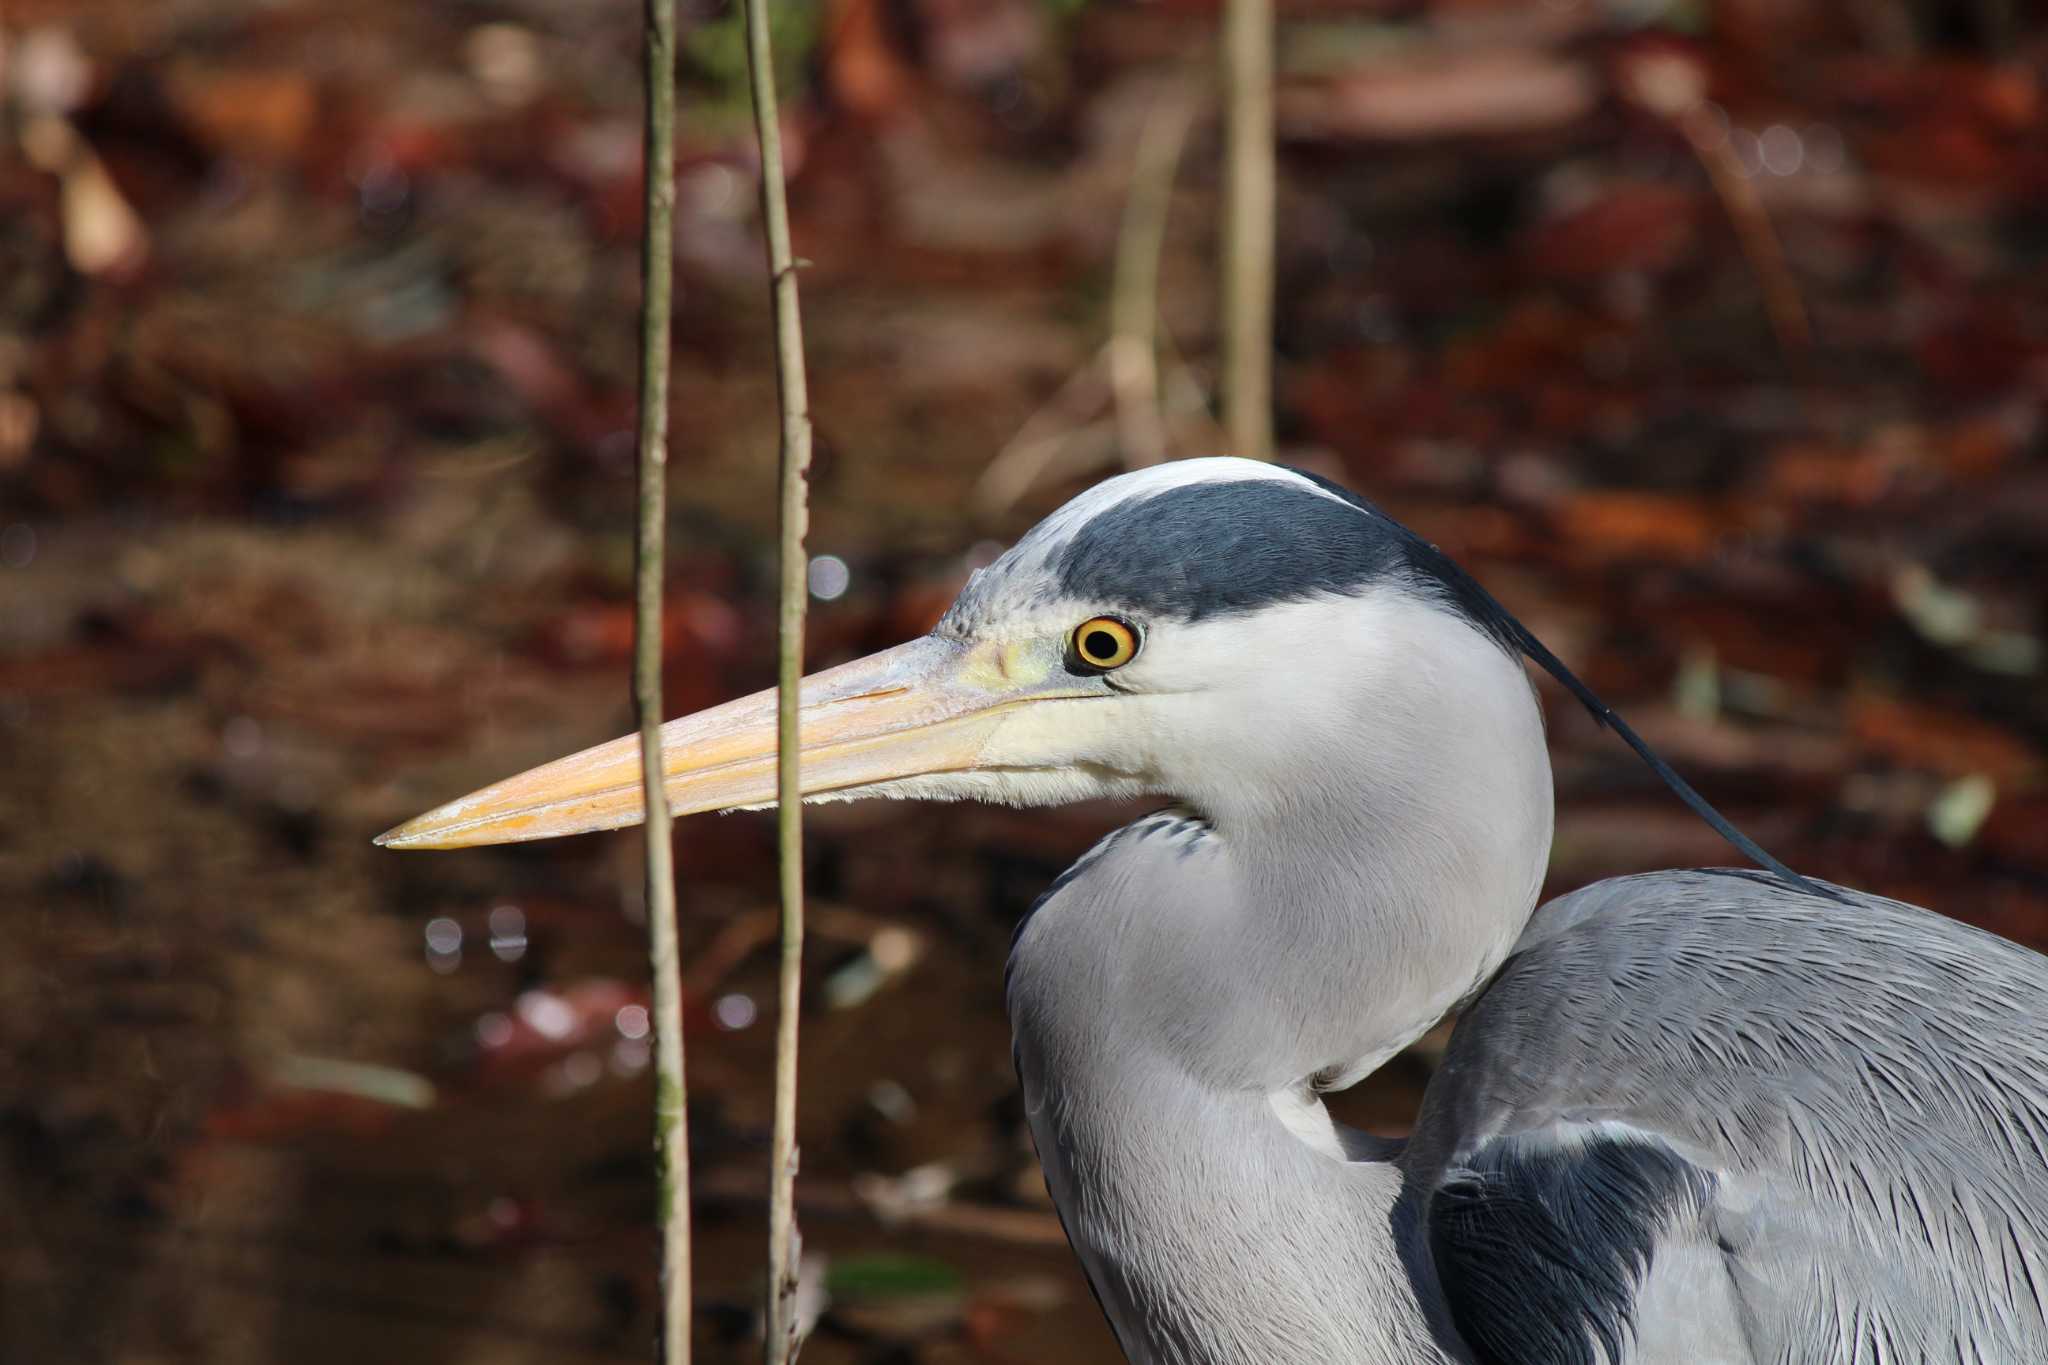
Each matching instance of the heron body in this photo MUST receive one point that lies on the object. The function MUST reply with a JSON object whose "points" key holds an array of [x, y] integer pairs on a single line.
{"points": [[1693, 1117]]}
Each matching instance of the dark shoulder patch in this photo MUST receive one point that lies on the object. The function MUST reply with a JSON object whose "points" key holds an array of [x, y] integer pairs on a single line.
{"points": [[1541, 1253]]}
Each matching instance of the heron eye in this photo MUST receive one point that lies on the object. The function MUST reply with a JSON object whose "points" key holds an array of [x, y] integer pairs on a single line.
{"points": [[1103, 643]]}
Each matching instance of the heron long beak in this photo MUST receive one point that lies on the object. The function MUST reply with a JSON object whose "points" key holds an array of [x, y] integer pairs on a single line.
{"points": [[922, 708]]}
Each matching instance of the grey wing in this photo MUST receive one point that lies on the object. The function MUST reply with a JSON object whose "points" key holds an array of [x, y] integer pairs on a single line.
{"points": [[1704, 1116]]}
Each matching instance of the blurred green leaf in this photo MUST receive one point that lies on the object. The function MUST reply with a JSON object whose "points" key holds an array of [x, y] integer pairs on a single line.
{"points": [[885, 1276], [1959, 812], [716, 52]]}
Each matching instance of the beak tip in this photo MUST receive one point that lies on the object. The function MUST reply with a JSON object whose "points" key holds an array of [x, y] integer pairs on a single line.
{"points": [[417, 832]]}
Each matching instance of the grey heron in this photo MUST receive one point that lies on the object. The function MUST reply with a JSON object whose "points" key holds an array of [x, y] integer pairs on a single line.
{"points": [[1704, 1116]]}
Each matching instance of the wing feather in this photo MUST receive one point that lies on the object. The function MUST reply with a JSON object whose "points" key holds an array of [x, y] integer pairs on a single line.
{"points": [[1849, 1101]]}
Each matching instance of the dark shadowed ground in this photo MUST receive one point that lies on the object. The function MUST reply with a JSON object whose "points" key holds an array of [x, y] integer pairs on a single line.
{"points": [[316, 390]]}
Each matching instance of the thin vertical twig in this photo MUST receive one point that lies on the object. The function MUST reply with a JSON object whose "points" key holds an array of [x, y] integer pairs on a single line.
{"points": [[671, 1103], [1065, 432], [795, 516], [1752, 222], [1134, 300], [1248, 189], [1674, 88]]}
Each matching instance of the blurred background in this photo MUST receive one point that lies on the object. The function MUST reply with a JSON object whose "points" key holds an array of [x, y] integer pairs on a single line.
{"points": [[1713, 334]]}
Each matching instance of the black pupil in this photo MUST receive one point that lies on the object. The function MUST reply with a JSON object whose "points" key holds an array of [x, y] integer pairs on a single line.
{"points": [[1099, 644]]}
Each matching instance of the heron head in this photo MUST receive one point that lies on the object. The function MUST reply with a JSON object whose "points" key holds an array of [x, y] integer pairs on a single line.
{"points": [[1202, 629]]}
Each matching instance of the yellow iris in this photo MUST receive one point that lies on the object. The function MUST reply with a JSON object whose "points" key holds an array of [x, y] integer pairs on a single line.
{"points": [[1104, 642]]}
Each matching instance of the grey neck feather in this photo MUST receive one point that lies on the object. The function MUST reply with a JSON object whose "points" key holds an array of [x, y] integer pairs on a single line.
{"points": [[1179, 992]]}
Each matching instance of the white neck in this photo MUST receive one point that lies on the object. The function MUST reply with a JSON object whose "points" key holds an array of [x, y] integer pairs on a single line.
{"points": [[1174, 1001], [1388, 827]]}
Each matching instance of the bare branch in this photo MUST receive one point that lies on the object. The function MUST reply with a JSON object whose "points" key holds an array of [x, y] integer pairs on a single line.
{"points": [[1134, 305], [1248, 188], [671, 1104], [795, 472]]}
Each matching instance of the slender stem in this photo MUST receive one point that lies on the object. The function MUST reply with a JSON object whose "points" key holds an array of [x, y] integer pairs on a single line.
{"points": [[1134, 299], [671, 1113], [1674, 87], [1248, 188], [795, 472], [1760, 244]]}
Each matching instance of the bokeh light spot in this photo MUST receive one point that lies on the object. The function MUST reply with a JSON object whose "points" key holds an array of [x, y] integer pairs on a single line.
{"points": [[734, 1012], [494, 1030], [829, 578]]}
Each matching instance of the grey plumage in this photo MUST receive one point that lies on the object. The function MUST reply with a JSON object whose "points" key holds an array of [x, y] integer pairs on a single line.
{"points": [[1829, 1124], [1707, 1116], [1860, 1094], [1692, 1118]]}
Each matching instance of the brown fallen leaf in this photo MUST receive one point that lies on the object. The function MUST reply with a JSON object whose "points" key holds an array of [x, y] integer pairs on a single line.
{"points": [[1426, 95], [265, 113], [2017, 829], [1917, 735], [1640, 227], [862, 65], [1611, 526]]}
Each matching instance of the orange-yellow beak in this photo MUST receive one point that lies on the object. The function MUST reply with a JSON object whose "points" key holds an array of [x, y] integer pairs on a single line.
{"points": [[922, 709]]}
